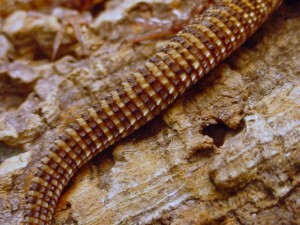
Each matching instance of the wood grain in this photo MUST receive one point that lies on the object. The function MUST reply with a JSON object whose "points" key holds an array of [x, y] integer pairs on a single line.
{"points": [[191, 54]]}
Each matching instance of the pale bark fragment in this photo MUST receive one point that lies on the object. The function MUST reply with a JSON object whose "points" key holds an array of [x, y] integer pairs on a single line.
{"points": [[227, 152]]}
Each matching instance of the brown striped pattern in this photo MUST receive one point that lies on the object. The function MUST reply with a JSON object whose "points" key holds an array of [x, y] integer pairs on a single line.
{"points": [[192, 53]]}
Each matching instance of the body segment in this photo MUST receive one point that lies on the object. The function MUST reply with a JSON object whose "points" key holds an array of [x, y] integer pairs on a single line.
{"points": [[192, 53]]}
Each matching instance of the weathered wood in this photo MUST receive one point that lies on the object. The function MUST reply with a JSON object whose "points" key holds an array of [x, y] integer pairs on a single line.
{"points": [[170, 172]]}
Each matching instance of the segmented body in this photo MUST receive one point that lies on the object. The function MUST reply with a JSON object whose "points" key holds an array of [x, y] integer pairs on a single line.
{"points": [[192, 53]]}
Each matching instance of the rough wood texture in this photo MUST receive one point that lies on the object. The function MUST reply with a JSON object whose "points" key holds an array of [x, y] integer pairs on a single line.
{"points": [[9, 6], [171, 171], [185, 59]]}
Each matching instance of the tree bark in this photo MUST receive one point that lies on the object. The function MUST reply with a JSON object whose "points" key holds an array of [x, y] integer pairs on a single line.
{"points": [[226, 152]]}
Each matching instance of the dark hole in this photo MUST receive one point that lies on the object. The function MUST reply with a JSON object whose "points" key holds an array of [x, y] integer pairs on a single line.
{"points": [[68, 205], [216, 132], [12, 92], [7, 151], [96, 9]]}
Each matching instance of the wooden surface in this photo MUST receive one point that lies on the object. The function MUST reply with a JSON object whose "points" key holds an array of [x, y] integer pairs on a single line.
{"points": [[227, 152]]}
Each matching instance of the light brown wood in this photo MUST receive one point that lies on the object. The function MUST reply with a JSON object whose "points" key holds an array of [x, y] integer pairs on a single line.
{"points": [[170, 172]]}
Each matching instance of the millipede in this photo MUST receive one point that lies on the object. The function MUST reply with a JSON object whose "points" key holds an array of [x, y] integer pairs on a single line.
{"points": [[185, 59]]}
